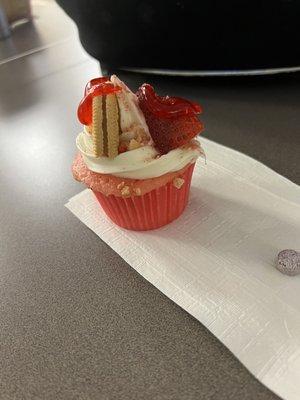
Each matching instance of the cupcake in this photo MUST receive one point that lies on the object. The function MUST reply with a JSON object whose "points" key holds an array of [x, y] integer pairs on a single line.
{"points": [[137, 152]]}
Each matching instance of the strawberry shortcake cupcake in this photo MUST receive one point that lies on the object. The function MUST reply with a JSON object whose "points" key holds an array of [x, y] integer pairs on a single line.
{"points": [[137, 152]]}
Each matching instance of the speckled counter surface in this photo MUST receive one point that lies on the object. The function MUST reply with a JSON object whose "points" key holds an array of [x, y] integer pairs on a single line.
{"points": [[76, 322]]}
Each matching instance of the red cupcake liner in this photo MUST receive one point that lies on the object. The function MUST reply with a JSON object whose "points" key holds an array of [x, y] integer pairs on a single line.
{"points": [[151, 210]]}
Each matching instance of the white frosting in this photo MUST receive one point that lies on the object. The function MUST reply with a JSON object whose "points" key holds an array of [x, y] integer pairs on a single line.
{"points": [[130, 112], [141, 163]]}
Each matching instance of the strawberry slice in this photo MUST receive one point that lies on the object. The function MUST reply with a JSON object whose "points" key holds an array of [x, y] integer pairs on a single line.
{"points": [[172, 121]]}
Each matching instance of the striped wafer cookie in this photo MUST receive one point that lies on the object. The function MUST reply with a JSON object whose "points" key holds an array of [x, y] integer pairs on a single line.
{"points": [[97, 122], [105, 126]]}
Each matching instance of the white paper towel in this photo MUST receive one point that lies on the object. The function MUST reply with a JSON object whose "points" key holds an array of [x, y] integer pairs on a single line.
{"points": [[217, 261]]}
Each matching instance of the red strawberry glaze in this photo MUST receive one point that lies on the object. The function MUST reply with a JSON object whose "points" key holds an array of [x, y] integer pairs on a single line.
{"points": [[95, 87], [172, 121], [167, 107]]}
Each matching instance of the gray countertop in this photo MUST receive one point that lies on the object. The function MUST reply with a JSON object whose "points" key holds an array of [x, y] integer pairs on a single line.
{"points": [[76, 322]]}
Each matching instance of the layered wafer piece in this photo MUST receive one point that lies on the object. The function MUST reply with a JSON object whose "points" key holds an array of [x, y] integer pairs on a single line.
{"points": [[105, 125]]}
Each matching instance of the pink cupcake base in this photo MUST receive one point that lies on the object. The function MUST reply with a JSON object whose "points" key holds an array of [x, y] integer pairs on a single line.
{"points": [[152, 210]]}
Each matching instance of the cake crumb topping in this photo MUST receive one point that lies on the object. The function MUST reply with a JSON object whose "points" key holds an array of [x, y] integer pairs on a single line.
{"points": [[125, 191], [121, 185], [178, 182]]}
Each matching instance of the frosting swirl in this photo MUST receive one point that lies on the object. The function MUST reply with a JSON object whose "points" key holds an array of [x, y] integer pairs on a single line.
{"points": [[142, 163]]}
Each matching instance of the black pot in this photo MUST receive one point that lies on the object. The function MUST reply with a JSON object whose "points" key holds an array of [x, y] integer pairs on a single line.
{"points": [[189, 35]]}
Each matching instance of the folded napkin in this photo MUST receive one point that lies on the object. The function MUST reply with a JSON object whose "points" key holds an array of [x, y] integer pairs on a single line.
{"points": [[217, 261]]}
